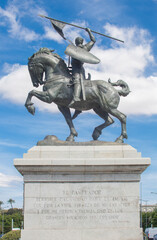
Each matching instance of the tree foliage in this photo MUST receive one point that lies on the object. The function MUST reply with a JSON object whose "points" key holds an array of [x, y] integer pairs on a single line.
{"points": [[15, 214], [12, 235], [149, 219], [1, 202], [11, 201]]}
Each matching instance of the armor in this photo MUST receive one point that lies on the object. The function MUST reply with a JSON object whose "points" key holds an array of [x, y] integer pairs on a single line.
{"points": [[78, 72]]}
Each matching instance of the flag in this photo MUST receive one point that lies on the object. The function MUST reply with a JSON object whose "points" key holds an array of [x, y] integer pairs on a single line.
{"points": [[58, 26]]}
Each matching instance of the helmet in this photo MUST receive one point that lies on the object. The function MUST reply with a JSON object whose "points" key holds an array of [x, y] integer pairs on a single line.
{"points": [[78, 41]]}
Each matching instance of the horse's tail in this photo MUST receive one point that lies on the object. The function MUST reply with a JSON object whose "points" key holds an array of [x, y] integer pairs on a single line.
{"points": [[125, 88]]}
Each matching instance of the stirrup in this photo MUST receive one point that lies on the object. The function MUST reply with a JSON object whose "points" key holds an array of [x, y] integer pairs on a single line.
{"points": [[71, 103]]}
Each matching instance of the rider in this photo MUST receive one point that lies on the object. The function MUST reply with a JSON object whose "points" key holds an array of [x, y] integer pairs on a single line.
{"points": [[77, 66]]}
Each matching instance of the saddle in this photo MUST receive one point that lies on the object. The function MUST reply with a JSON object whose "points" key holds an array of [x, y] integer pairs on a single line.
{"points": [[87, 82]]}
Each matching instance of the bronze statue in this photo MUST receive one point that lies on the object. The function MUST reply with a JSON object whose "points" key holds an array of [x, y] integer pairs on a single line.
{"points": [[101, 96], [78, 72], [67, 88]]}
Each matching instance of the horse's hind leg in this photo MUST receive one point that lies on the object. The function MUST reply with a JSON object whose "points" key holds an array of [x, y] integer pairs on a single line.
{"points": [[108, 121], [66, 113], [122, 119]]}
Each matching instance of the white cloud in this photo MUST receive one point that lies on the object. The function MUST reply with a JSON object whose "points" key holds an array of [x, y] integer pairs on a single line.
{"points": [[7, 180], [72, 32], [131, 36], [51, 34], [9, 17], [127, 61], [8, 68], [16, 85], [12, 15], [69, 32]]}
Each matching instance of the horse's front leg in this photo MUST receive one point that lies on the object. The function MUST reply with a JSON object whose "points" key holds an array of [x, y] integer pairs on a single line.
{"points": [[66, 113], [43, 96]]}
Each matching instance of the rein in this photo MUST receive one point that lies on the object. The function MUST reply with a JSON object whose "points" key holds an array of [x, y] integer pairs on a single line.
{"points": [[38, 65], [57, 79]]}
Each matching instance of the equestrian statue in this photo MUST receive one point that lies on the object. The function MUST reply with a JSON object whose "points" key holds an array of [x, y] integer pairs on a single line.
{"points": [[68, 87]]}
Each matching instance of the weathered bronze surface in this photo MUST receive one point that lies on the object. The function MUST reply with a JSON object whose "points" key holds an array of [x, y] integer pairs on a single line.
{"points": [[52, 140], [101, 96], [81, 54]]}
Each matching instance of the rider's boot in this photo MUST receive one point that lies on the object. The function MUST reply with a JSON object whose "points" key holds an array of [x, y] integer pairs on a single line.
{"points": [[76, 94]]}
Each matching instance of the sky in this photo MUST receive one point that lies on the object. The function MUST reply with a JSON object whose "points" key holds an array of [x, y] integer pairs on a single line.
{"points": [[23, 32]]}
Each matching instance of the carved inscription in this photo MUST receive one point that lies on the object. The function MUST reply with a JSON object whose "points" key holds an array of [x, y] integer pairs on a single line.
{"points": [[84, 207]]}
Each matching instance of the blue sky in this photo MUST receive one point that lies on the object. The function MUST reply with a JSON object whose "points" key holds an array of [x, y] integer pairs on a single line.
{"points": [[23, 32]]}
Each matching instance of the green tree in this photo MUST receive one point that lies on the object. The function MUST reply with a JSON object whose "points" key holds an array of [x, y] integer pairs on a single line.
{"points": [[11, 201], [12, 235], [154, 218], [15, 214], [1, 202], [149, 219]]}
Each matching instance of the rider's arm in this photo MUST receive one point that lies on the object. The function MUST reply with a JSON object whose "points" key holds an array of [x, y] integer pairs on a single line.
{"points": [[90, 44]]}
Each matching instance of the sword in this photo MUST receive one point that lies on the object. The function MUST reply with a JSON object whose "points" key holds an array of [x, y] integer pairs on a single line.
{"points": [[82, 87], [82, 28]]}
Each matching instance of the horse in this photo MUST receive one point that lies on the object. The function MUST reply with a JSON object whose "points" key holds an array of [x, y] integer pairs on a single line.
{"points": [[101, 96]]}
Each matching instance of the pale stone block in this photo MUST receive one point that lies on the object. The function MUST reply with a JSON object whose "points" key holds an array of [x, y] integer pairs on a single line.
{"points": [[83, 178], [86, 234], [82, 192]]}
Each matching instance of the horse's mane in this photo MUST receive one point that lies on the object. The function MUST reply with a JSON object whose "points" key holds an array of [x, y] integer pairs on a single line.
{"points": [[48, 52], [44, 51], [36, 67]]}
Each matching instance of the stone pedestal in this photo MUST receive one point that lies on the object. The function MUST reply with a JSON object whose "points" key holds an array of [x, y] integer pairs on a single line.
{"points": [[82, 192]]}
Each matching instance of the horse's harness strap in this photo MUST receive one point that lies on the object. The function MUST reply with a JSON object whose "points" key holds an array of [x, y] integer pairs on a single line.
{"points": [[56, 79]]}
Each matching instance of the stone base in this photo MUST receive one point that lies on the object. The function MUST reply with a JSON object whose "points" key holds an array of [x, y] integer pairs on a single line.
{"points": [[84, 234], [82, 192]]}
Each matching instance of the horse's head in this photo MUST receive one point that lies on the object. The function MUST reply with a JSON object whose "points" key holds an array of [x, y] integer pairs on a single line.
{"points": [[39, 62], [36, 66]]}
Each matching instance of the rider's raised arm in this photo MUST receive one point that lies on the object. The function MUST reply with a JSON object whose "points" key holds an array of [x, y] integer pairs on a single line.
{"points": [[90, 44]]}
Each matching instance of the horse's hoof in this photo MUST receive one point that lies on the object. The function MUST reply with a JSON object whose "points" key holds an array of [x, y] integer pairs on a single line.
{"points": [[125, 135], [70, 139], [119, 140], [31, 109], [73, 132], [96, 134]]}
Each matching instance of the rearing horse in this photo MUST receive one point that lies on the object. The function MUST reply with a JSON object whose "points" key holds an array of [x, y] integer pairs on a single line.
{"points": [[101, 96]]}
